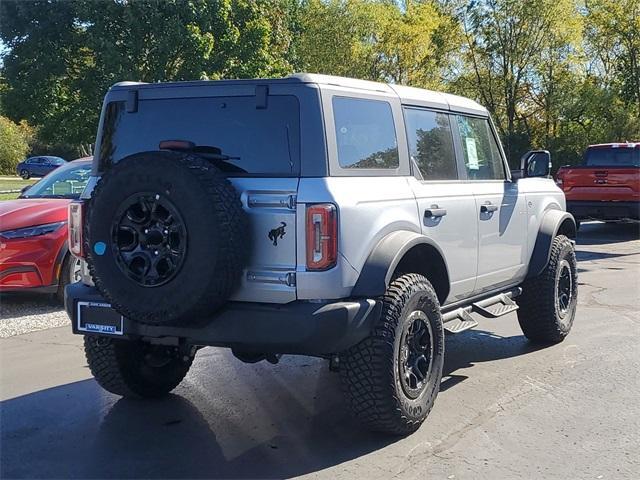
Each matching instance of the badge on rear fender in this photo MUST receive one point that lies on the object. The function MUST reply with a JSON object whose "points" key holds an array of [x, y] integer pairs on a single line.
{"points": [[276, 233]]}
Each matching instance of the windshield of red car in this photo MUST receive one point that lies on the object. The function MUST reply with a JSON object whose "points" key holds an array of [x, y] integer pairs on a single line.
{"points": [[65, 182]]}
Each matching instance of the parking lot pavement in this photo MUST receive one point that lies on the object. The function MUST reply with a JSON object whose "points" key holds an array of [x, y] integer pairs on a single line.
{"points": [[506, 409]]}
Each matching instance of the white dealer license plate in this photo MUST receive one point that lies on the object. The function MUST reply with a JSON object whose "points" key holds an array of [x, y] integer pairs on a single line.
{"points": [[95, 317]]}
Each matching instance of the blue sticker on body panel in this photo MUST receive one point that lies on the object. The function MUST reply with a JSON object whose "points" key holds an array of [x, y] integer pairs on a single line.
{"points": [[99, 248]]}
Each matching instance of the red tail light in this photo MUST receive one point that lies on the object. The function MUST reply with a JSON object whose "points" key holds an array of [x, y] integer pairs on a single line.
{"points": [[322, 236], [76, 220]]}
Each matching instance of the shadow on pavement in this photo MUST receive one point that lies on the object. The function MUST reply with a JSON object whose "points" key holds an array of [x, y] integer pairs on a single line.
{"points": [[79, 431], [478, 346], [599, 233]]}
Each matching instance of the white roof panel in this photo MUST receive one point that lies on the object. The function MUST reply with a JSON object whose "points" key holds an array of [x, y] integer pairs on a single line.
{"points": [[408, 95]]}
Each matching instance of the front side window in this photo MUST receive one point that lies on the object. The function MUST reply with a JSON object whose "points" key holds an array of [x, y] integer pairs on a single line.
{"points": [[431, 144], [365, 133], [481, 153]]}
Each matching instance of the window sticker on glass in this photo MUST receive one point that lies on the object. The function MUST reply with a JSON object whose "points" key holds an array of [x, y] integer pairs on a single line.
{"points": [[472, 154]]}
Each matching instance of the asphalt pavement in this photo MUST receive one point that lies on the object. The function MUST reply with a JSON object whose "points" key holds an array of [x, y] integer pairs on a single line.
{"points": [[506, 409]]}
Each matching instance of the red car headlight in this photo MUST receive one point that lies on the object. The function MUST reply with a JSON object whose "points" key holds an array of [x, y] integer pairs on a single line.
{"points": [[34, 231]]}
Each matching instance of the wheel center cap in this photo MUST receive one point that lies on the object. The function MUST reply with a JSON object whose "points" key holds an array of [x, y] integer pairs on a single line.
{"points": [[154, 237]]}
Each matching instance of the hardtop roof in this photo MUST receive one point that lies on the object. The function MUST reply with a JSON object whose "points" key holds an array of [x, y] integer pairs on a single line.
{"points": [[407, 95]]}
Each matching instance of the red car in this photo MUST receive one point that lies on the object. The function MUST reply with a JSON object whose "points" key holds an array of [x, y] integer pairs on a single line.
{"points": [[606, 186], [33, 233]]}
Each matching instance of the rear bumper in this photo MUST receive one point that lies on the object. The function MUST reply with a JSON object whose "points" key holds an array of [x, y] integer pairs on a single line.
{"points": [[294, 328], [603, 210]]}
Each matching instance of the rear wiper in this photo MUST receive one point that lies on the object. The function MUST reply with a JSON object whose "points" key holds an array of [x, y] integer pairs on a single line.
{"points": [[208, 152], [212, 153]]}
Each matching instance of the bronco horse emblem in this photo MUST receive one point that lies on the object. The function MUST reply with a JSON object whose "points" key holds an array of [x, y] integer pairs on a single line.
{"points": [[277, 233]]}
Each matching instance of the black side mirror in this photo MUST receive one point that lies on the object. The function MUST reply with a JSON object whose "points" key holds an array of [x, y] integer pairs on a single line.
{"points": [[535, 163]]}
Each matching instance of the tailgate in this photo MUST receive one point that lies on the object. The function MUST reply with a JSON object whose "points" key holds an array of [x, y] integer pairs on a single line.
{"points": [[270, 203], [601, 183]]}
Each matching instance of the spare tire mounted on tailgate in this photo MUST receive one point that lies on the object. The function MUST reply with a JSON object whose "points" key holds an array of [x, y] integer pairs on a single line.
{"points": [[166, 237]]}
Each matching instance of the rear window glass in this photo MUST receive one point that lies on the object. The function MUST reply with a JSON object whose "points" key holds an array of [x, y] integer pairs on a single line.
{"points": [[262, 141], [613, 157], [365, 133]]}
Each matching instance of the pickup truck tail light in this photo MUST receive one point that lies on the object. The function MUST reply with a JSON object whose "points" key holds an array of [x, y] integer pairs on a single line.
{"points": [[322, 236], [76, 221]]}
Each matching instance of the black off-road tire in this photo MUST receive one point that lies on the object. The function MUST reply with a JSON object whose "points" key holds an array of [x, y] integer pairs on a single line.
{"points": [[370, 371], [64, 278], [540, 314], [120, 367], [216, 229]]}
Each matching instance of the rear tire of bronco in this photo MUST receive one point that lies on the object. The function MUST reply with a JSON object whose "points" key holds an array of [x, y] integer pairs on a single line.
{"points": [[392, 377], [167, 238], [548, 301], [135, 369]]}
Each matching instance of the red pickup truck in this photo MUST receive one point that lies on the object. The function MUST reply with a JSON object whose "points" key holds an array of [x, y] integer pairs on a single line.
{"points": [[607, 185]]}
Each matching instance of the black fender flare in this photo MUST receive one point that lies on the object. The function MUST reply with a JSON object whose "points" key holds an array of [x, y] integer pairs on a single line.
{"points": [[553, 222], [377, 272]]}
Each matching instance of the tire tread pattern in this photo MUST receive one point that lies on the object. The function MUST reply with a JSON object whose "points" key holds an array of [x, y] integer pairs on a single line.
{"points": [[232, 225], [110, 365], [367, 369], [537, 310]]}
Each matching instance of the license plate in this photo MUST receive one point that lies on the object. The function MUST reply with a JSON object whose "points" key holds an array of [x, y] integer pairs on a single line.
{"points": [[96, 317]]}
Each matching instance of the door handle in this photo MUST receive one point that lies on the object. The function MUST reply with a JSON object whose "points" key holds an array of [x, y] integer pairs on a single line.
{"points": [[434, 212], [488, 208]]}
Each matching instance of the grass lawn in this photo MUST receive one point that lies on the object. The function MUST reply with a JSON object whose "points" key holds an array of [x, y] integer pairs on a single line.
{"points": [[10, 182]]}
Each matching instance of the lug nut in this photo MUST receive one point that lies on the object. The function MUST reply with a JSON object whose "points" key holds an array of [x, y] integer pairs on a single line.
{"points": [[155, 252]]}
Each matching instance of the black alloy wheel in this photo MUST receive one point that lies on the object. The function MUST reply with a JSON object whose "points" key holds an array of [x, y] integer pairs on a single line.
{"points": [[416, 352], [150, 239], [564, 288]]}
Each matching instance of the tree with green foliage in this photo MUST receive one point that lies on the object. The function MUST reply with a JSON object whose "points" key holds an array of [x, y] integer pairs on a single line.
{"points": [[14, 144], [511, 51], [64, 55], [377, 40], [555, 74], [613, 35]]}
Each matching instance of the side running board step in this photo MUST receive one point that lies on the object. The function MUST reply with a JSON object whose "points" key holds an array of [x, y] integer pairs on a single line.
{"points": [[460, 319], [461, 322], [497, 307]]}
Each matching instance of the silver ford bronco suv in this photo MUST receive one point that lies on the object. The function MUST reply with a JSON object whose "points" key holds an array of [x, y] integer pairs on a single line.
{"points": [[312, 215]]}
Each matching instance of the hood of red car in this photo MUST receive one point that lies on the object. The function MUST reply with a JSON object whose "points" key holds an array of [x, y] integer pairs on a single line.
{"points": [[26, 212]]}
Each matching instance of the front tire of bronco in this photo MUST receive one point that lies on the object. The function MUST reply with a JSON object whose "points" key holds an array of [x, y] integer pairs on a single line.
{"points": [[548, 301], [392, 377], [135, 369]]}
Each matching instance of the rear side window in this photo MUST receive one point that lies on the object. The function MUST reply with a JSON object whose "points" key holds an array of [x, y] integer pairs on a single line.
{"points": [[613, 157], [365, 133], [481, 153], [431, 144], [260, 141]]}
